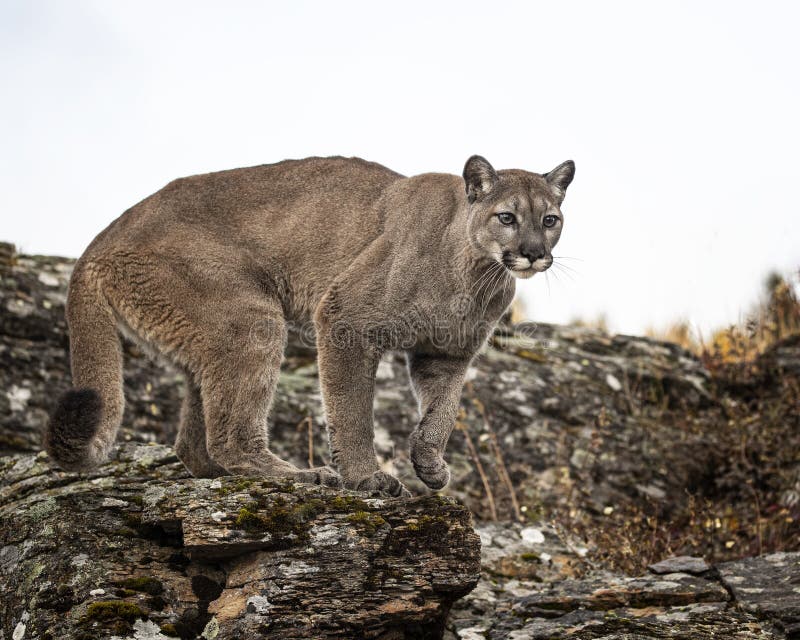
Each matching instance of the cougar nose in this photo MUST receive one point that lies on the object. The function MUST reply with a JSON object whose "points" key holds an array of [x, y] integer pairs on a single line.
{"points": [[532, 253]]}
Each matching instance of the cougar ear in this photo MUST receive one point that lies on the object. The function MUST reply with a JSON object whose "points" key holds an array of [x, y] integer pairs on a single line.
{"points": [[479, 177], [560, 178]]}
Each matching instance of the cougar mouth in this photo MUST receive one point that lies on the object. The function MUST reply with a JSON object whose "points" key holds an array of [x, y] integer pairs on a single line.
{"points": [[523, 268]]}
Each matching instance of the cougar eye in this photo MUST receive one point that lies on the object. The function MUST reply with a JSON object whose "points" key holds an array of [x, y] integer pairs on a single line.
{"points": [[550, 221], [506, 218]]}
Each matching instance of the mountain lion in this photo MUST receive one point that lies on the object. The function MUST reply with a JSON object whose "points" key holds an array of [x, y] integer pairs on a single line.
{"points": [[213, 270]]}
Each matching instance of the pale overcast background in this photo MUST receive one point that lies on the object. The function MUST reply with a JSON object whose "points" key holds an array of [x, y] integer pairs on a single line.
{"points": [[683, 119]]}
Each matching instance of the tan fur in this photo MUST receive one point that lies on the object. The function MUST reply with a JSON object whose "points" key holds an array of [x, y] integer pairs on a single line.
{"points": [[212, 270]]}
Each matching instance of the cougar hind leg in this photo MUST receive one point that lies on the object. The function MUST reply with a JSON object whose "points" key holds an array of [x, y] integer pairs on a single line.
{"points": [[190, 445], [230, 338], [238, 379]]}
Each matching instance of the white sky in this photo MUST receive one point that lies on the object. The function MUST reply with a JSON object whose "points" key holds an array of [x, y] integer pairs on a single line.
{"points": [[683, 119]]}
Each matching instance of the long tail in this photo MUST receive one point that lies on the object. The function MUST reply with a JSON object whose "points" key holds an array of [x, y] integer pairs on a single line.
{"points": [[84, 425]]}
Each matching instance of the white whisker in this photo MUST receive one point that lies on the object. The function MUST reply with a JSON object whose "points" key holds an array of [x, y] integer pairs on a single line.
{"points": [[492, 290], [565, 267], [566, 273], [475, 288], [486, 286]]}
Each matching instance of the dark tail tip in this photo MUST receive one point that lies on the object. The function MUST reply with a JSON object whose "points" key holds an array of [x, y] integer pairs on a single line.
{"points": [[72, 427]]}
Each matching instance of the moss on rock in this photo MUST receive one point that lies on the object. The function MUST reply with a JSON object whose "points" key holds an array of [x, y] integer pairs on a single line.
{"points": [[279, 518], [112, 610], [347, 504], [144, 584], [368, 522]]}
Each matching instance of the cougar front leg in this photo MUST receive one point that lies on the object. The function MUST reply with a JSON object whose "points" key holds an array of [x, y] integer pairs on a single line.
{"points": [[437, 382], [347, 378]]}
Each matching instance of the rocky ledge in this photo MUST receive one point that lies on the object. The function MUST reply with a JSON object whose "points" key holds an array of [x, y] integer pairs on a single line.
{"points": [[138, 549]]}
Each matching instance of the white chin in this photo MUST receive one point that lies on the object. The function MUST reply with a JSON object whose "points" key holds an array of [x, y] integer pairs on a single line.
{"points": [[522, 274]]}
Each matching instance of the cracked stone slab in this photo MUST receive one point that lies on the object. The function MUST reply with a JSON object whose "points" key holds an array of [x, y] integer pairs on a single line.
{"points": [[692, 622], [604, 592], [767, 586], [549, 603], [605, 606]]}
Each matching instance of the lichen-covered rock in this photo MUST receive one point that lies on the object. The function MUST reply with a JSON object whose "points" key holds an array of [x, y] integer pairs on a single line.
{"points": [[138, 548], [540, 586]]}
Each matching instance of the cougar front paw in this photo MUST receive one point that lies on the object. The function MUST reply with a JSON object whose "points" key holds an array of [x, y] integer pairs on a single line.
{"points": [[429, 464], [320, 475], [382, 484]]}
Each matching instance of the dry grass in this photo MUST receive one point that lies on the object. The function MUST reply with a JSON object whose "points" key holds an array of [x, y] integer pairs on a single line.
{"points": [[749, 502], [776, 317], [600, 323]]}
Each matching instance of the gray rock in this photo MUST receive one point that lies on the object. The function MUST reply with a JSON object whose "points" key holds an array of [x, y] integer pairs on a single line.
{"points": [[680, 564]]}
